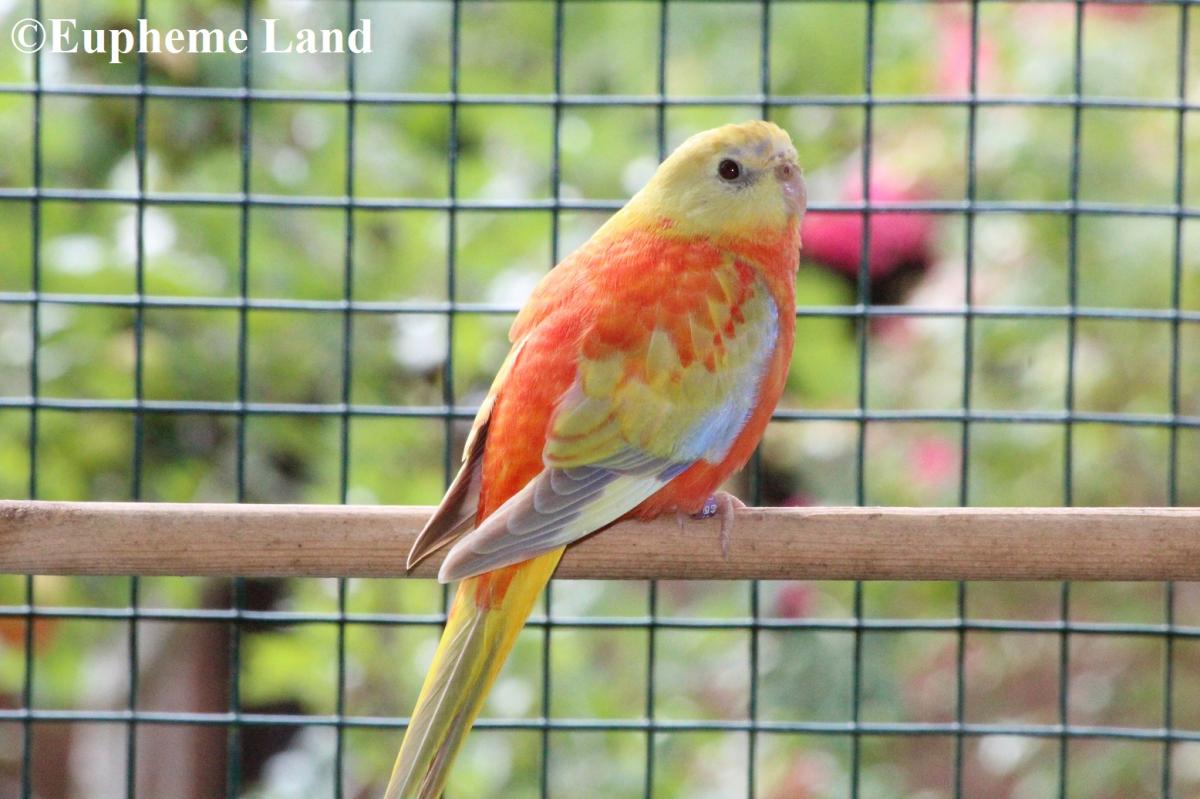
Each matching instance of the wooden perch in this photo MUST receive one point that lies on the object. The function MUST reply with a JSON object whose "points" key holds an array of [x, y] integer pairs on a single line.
{"points": [[768, 543]]}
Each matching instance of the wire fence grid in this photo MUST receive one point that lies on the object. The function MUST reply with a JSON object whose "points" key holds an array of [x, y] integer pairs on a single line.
{"points": [[959, 731]]}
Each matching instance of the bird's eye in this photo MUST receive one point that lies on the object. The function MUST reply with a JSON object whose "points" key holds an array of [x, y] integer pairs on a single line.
{"points": [[729, 169]]}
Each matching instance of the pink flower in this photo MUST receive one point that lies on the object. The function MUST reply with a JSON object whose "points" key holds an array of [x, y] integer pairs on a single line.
{"points": [[934, 461], [899, 239], [1062, 14], [808, 776], [1118, 11], [794, 600], [954, 54]]}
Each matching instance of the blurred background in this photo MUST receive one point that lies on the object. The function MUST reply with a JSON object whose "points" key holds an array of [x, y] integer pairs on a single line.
{"points": [[1073, 316]]}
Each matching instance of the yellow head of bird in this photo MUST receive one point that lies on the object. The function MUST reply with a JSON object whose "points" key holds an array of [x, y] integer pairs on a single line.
{"points": [[733, 180]]}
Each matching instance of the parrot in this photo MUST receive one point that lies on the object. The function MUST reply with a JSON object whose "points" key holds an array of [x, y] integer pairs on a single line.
{"points": [[643, 371]]}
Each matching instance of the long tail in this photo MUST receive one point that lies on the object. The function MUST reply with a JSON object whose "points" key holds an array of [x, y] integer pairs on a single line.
{"points": [[488, 612]]}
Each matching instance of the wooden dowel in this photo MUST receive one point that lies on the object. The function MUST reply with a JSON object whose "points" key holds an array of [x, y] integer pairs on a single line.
{"points": [[767, 543]]}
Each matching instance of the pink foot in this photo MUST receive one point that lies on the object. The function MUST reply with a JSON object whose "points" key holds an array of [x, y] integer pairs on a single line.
{"points": [[725, 504]]}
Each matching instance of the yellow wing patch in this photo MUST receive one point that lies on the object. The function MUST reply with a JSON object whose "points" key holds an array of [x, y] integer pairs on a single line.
{"points": [[684, 391]]}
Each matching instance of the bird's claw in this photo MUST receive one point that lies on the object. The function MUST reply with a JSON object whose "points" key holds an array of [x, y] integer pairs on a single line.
{"points": [[724, 504]]}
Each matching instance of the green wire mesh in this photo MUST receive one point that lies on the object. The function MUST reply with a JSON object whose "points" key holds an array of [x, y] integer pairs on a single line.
{"points": [[852, 739]]}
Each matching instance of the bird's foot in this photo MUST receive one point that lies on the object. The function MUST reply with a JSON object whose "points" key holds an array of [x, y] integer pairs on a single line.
{"points": [[723, 504]]}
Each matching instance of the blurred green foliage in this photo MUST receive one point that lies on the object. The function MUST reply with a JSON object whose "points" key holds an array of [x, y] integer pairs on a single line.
{"points": [[505, 152]]}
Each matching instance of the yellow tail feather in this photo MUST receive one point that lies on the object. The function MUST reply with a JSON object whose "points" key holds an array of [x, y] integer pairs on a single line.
{"points": [[472, 651]]}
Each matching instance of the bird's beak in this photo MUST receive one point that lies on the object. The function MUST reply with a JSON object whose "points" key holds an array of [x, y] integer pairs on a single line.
{"points": [[791, 181]]}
